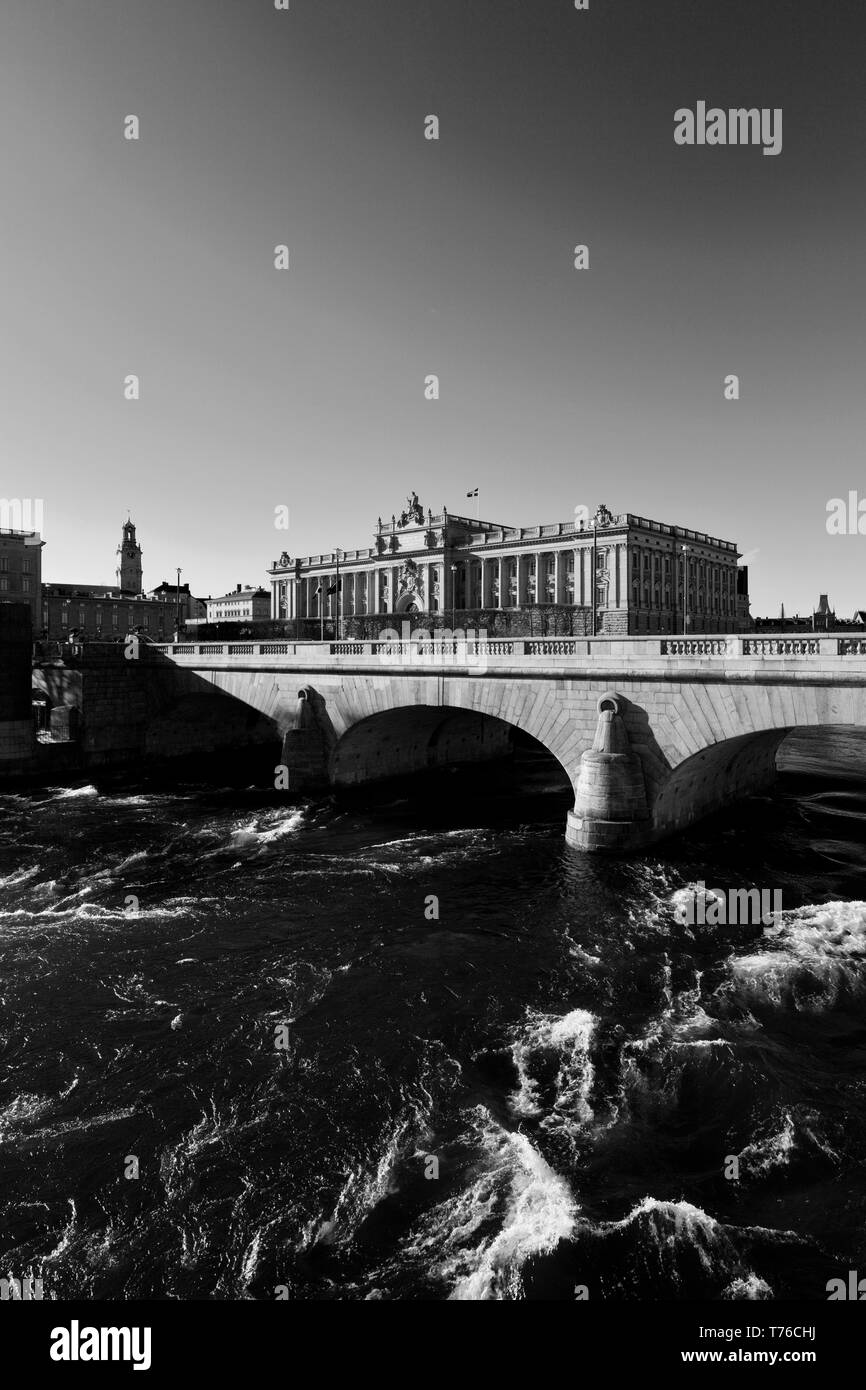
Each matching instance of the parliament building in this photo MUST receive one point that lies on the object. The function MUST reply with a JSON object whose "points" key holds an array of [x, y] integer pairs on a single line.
{"points": [[607, 574]]}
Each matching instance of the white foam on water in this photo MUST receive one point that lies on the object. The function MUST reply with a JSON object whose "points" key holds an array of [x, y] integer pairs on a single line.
{"points": [[19, 876], [569, 1037], [751, 1287], [22, 1113], [533, 1210], [772, 1151], [808, 959], [265, 830], [512, 1207]]}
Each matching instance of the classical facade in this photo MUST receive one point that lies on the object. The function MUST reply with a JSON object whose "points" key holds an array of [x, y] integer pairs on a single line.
{"points": [[626, 574]]}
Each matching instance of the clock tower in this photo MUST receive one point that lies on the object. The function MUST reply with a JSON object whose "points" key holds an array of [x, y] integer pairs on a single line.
{"points": [[129, 569]]}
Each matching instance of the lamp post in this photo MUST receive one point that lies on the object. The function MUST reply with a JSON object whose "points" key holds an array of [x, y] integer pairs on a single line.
{"points": [[685, 550], [453, 595], [337, 554], [177, 603], [594, 577]]}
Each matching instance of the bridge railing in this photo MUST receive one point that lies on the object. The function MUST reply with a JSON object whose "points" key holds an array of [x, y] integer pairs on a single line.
{"points": [[712, 647]]}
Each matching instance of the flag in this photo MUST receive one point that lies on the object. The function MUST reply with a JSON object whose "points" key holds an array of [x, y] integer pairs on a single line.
{"points": [[472, 494], [334, 587]]}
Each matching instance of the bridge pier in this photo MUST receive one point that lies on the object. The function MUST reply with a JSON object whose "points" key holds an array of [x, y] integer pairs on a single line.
{"points": [[305, 747], [610, 807]]}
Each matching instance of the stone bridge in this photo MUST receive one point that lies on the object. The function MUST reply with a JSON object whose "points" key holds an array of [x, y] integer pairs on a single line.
{"points": [[652, 732]]}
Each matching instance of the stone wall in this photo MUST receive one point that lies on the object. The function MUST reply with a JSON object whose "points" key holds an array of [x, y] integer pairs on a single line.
{"points": [[17, 737], [128, 711]]}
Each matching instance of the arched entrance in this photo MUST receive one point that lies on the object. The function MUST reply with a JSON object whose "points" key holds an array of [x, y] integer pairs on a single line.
{"points": [[408, 603]]}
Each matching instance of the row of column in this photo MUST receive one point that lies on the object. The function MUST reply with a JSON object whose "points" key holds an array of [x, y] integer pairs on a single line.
{"points": [[502, 581], [370, 590]]}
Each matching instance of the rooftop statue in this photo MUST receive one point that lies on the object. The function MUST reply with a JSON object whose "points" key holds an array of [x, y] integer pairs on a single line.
{"points": [[414, 513]]}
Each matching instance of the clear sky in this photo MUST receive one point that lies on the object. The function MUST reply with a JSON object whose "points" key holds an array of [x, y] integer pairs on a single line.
{"points": [[304, 388]]}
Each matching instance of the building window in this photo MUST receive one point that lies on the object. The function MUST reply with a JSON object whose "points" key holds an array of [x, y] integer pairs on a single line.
{"points": [[4, 564], [4, 583], [114, 617], [64, 617]]}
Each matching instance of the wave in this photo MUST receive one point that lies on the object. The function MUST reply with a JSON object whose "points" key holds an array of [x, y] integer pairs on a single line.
{"points": [[752, 1287], [19, 876], [512, 1208], [811, 960], [264, 830], [71, 793], [675, 1245], [562, 1042]]}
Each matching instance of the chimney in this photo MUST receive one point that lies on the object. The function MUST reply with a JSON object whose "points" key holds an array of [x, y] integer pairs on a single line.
{"points": [[238, 589]]}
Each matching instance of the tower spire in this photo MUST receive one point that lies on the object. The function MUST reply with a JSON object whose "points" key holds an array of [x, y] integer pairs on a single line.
{"points": [[130, 560]]}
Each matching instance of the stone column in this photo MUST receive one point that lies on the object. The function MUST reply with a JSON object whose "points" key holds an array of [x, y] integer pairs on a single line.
{"points": [[622, 576]]}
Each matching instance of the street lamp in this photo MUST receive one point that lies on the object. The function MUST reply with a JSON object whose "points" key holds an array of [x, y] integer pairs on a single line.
{"points": [[177, 604], [453, 595], [685, 550], [337, 557], [594, 576]]}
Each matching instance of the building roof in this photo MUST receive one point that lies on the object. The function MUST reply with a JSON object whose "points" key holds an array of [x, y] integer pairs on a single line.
{"points": [[166, 587], [242, 593], [461, 532]]}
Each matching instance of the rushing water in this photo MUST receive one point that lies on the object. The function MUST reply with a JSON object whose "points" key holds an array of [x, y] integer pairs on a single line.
{"points": [[578, 1064]]}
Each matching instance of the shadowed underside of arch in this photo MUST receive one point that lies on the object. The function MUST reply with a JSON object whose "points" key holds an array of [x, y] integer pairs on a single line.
{"points": [[725, 772], [422, 738]]}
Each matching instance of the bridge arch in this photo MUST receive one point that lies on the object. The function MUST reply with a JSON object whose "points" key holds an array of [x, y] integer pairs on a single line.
{"points": [[405, 739], [745, 765]]}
